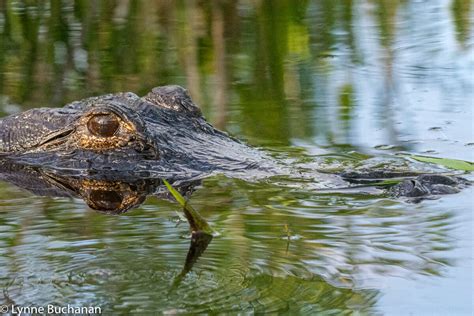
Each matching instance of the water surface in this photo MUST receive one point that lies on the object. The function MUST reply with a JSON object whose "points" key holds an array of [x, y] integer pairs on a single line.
{"points": [[296, 79]]}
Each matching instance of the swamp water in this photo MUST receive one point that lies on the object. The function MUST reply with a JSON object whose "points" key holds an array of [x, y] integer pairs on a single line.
{"points": [[326, 84]]}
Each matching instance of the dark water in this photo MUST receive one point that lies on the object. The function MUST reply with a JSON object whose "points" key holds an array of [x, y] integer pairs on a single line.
{"points": [[298, 79]]}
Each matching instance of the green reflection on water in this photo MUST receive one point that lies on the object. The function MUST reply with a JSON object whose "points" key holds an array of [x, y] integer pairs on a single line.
{"points": [[56, 251], [262, 70]]}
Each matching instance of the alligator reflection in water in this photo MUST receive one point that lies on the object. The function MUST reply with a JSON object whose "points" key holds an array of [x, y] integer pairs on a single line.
{"points": [[103, 192], [106, 194], [341, 246]]}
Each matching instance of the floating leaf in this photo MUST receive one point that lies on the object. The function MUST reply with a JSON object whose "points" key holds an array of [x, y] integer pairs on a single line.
{"points": [[448, 163]]}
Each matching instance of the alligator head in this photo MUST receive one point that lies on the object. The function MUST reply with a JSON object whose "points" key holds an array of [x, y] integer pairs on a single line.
{"points": [[163, 133]]}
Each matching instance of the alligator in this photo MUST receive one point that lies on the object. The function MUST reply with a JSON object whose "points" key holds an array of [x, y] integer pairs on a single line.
{"points": [[160, 135]]}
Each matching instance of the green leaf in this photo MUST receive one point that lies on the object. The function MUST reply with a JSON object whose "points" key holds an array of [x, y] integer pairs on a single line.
{"points": [[448, 163], [196, 221], [178, 197]]}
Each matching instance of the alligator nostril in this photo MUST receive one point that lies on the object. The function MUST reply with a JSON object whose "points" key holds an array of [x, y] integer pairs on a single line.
{"points": [[105, 200], [103, 125]]}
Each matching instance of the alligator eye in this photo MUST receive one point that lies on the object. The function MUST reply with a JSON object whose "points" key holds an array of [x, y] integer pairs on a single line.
{"points": [[103, 125], [106, 200]]}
